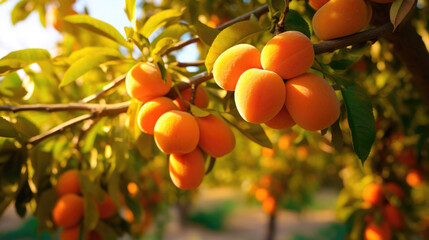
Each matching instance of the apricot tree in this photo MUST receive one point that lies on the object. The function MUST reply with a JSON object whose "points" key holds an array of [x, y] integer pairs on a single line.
{"points": [[114, 108]]}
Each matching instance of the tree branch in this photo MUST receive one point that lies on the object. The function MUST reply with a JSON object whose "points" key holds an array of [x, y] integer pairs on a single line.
{"points": [[116, 82], [190, 64], [69, 107]]}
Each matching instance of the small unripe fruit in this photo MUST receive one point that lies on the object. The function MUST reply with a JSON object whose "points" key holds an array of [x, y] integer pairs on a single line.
{"points": [[144, 82], [312, 102], [151, 111], [229, 66], [282, 120], [373, 193], [216, 137], [68, 182], [68, 210], [259, 95], [187, 170], [339, 18], [201, 99], [177, 132], [288, 54]]}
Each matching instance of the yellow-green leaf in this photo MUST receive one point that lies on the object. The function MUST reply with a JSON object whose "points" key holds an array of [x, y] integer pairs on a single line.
{"points": [[22, 58], [160, 19]]}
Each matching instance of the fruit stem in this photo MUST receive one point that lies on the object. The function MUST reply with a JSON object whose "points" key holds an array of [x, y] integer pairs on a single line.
{"points": [[280, 26]]}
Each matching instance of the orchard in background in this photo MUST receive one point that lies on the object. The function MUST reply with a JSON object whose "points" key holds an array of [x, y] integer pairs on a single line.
{"points": [[287, 97]]}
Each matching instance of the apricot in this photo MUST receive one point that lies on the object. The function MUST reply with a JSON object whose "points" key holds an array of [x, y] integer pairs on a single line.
{"points": [[312, 102], [259, 95], [177, 132], [288, 54], [393, 216], [133, 188], [373, 193], [106, 208], [68, 182], [201, 99], [229, 66], [144, 82], [261, 194], [414, 178], [282, 120], [269, 205], [339, 18], [187, 170], [68, 210], [151, 111], [393, 188], [378, 232], [216, 137], [316, 4], [382, 1], [72, 233]]}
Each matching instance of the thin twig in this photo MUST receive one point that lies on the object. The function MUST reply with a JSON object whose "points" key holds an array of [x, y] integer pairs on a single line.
{"points": [[116, 82], [280, 26], [190, 64]]}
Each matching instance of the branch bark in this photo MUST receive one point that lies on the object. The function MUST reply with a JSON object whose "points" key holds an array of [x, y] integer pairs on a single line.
{"points": [[116, 82]]}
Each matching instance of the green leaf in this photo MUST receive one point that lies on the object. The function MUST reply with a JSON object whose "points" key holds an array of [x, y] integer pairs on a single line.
{"points": [[163, 45], [91, 189], [230, 36], [144, 145], [160, 19], [88, 51], [161, 67], [7, 129], [295, 22], [360, 117], [11, 86], [90, 218], [130, 9], [198, 112], [174, 31], [211, 165], [83, 65], [206, 33], [276, 7], [40, 8], [344, 58], [399, 10], [22, 58], [45, 205], [97, 26], [21, 11]]}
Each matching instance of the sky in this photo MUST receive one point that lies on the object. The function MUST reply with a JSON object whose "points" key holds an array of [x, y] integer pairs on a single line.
{"points": [[31, 34]]}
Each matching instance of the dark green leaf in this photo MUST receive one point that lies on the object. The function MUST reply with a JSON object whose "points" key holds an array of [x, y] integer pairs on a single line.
{"points": [[26, 127], [7, 129], [91, 189], [206, 33], [106, 231], [22, 58], [344, 58], [130, 9], [45, 205], [21, 11], [83, 65], [160, 19], [211, 165], [276, 7], [144, 145], [134, 206], [360, 117], [161, 67], [295, 22], [230, 36], [90, 218], [97, 26]]}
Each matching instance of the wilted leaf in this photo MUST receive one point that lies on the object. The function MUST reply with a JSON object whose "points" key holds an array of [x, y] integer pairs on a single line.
{"points": [[399, 10], [83, 65], [230, 36], [160, 19], [206, 33], [97, 26], [22, 58], [360, 117]]}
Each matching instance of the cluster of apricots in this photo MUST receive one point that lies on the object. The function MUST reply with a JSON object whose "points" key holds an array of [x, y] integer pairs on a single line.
{"points": [[261, 96], [176, 131], [69, 210], [339, 18], [265, 192], [376, 195]]}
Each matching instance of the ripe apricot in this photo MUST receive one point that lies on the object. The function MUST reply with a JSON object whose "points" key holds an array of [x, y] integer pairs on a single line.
{"points": [[151, 111], [393, 216], [312, 102], [106, 208], [229, 66], [269, 205], [316, 4], [68, 210], [259, 95], [144, 82], [373, 193], [177, 132], [68, 182], [216, 138], [378, 232], [393, 188], [261, 194], [282, 120], [187, 170], [414, 178], [201, 99], [288, 54], [339, 18]]}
